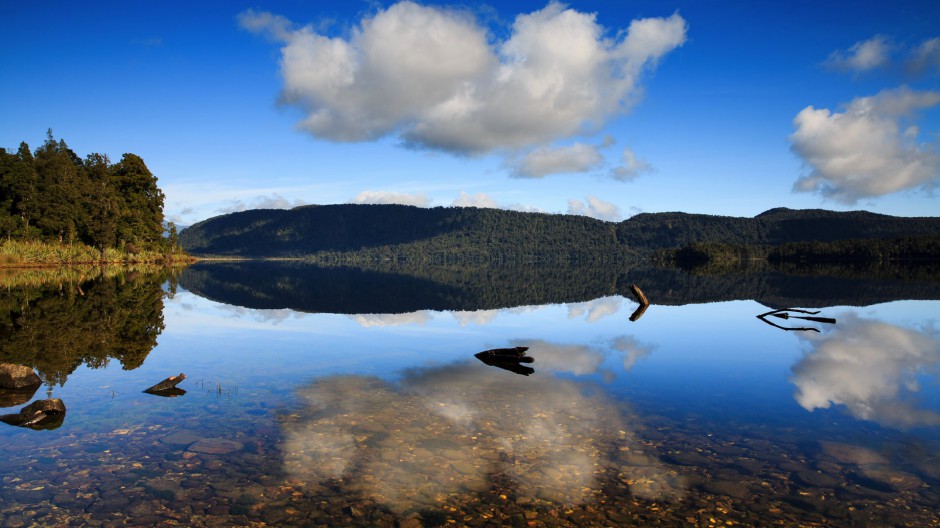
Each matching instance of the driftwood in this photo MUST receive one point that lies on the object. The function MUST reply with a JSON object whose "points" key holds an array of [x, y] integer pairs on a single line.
{"points": [[640, 298], [782, 314], [167, 387], [510, 359]]}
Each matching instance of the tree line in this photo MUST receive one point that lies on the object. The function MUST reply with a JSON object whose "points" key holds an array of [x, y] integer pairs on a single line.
{"points": [[354, 233], [53, 195]]}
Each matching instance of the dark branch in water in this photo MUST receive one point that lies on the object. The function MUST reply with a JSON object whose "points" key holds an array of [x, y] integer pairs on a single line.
{"points": [[640, 298], [782, 314]]}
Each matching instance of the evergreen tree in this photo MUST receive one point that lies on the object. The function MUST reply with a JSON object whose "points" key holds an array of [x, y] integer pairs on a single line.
{"points": [[101, 204], [141, 220], [60, 177]]}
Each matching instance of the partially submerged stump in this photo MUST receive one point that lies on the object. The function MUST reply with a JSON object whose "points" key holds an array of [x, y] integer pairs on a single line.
{"points": [[638, 295], [167, 387], [640, 298], [41, 414], [508, 359]]}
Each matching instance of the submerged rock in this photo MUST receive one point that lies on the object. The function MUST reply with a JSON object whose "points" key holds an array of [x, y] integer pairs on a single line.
{"points": [[18, 377], [216, 446], [13, 398], [41, 414]]}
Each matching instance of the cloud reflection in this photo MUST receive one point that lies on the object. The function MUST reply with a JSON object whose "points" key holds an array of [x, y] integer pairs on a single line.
{"points": [[582, 360], [454, 429], [596, 309], [419, 318], [478, 317], [263, 316], [871, 368]]}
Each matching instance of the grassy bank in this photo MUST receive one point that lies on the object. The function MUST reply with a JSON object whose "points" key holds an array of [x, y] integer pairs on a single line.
{"points": [[27, 254]]}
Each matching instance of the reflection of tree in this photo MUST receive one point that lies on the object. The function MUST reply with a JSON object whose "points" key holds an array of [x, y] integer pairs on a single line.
{"points": [[56, 328], [871, 368]]}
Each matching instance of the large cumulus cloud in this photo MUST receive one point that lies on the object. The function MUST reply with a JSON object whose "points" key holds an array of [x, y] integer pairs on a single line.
{"points": [[870, 149], [437, 79]]}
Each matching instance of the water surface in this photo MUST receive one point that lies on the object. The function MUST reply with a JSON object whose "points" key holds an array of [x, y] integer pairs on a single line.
{"points": [[305, 407]]}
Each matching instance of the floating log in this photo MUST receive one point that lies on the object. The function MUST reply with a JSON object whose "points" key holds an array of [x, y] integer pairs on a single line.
{"points": [[167, 386]]}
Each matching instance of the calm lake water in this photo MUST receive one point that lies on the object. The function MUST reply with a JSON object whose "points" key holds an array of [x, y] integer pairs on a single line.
{"points": [[341, 397]]}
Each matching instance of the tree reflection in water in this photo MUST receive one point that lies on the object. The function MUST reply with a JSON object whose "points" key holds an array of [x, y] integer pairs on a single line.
{"points": [[54, 326]]}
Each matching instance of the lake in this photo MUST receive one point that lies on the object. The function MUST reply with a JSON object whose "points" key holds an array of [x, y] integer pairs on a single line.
{"points": [[332, 396]]}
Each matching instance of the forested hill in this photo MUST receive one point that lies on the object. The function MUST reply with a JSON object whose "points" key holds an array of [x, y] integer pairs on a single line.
{"points": [[770, 228], [398, 231]]}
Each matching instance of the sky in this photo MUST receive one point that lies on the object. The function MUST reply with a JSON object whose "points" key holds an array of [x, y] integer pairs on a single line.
{"points": [[599, 108]]}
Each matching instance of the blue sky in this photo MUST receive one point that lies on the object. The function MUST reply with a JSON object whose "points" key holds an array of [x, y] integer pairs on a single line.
{"points": [[596, 107]]}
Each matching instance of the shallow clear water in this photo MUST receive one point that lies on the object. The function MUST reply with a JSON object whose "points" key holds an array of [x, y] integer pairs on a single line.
{"points": [[696, 414]]}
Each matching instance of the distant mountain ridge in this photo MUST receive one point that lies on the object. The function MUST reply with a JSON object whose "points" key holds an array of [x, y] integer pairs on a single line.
{"points": [[399, 231]]}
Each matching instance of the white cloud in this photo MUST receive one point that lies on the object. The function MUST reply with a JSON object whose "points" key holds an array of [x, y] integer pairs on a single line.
{"points": [[925, 58], [868, 150], [880, 53], [272, 201], [863, 56], [389, 197], [481, 200], [274, 26], [595, 208], [871, 368], [438, 80], [543, 161], [630, 167]]}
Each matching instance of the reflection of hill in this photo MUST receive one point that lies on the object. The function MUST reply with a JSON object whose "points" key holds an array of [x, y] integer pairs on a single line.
{"points": [[400, 289], [309, 288], [775, 288], [56, 327]]}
